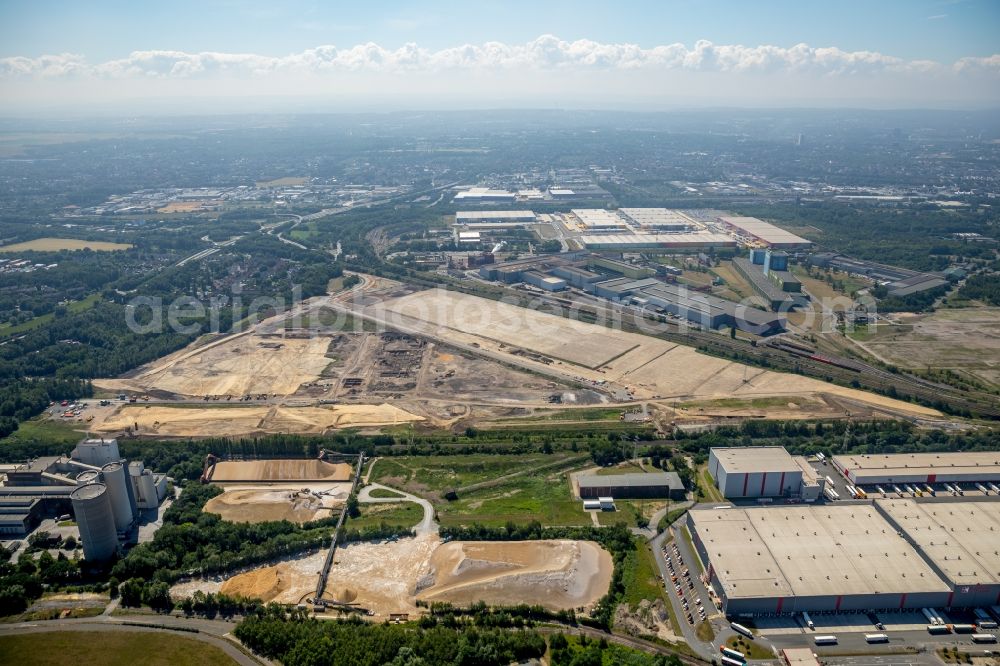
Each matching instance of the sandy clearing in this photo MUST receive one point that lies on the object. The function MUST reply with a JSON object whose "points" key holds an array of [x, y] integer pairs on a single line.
{"points": [[556, 574], [281, 470], [649, 367], [238, 365], [258, 506], [227, 421], [57, 244], [389, 577], [230, 421]]}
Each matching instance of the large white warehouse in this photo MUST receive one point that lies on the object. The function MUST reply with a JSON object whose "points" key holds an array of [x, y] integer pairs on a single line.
{"points": [[762, 471], [957, 467]]}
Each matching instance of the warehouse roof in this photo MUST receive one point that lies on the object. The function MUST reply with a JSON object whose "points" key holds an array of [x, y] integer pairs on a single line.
{"points": [[889, 464], [692, 238], [752, 459], [810, 551], [486, 215], [961, 539], [636, 480], [764, 231]]}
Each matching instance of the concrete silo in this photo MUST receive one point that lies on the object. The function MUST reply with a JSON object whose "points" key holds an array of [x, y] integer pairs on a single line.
{"points": [[87, 477], [94, 516], [121, 506], [143, 486]]}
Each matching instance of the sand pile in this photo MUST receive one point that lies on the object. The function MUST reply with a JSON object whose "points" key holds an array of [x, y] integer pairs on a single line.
{"points": [[258, 506], [225, 421], [266, 583], [282, 470]]}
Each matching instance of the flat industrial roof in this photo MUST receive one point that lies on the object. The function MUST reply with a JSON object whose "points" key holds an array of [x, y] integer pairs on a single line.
{"points": [[810, 551], [486, 215], [634, 480], [599, 217], [692, 238], [962, 539], [753, 459], [765, 231], [656, 216], [892, 464]]}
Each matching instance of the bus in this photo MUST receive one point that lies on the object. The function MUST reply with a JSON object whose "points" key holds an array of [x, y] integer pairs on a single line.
{"points": [[825, 640], [984, 638], [877, 638], [732, 654]]}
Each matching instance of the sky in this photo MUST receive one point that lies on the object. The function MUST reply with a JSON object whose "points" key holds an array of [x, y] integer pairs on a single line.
{"points": [[214, 55]]}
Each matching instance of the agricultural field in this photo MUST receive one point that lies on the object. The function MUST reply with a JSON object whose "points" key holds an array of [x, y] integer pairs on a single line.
{"points": [[57, 244]]}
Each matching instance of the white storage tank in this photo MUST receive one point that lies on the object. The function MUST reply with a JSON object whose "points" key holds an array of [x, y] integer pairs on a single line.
{"points": [[92, 508], [87, 477], [117, 483]]}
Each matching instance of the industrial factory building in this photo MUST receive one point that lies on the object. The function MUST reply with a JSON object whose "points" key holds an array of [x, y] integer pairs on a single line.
{"points": [[763, 472], [768, 274], [52, 485], [655, 485], [658, 219], [621, 241], [960, 541], [484, 195], [754, 231], [598, 219], [788, 559], [494, 218], [893, 468]]}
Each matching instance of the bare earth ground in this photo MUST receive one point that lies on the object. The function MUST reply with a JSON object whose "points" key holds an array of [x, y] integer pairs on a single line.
{"points": [[235, 365], [259, 505], [231, 421], [965, 340], [650, 368], [389, 577], [281, 470], [56, 244]]}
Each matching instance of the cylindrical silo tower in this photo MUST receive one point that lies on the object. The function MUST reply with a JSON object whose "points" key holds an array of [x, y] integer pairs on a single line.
{"points": [[94, 516], [87, 477], [117, 483]]}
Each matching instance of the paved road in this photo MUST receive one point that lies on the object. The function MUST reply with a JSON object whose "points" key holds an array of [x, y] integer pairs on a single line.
{"points": [[700, 648], [425, 526], [213, 632]]}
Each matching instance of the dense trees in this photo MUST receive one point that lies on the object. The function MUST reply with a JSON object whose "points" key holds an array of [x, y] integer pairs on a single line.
{"points": [[357, 643], [982, 287]]}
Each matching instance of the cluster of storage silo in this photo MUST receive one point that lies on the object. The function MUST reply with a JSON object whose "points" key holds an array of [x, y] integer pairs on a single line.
{"points": [[105, 507]]}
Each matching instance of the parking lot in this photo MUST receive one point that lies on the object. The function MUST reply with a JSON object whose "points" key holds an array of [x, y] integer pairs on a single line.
{"points": [[685, 586]]}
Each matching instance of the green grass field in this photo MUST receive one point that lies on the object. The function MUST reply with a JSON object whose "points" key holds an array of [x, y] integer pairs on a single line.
{"points": [[642, 579], [42, 429], [536, 492], [382, 492], [108, 647], [403, 514]]}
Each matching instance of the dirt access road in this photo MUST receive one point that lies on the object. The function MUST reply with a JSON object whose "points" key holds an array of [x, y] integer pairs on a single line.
{"points": [[425, 526]]}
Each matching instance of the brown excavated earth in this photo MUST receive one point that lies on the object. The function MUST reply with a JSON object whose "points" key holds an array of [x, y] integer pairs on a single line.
{"points": [[281, 470], [259, 506], [558, 574]]}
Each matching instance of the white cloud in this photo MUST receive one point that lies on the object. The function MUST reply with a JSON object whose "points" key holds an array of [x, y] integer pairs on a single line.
{"points": [[546, 53]]}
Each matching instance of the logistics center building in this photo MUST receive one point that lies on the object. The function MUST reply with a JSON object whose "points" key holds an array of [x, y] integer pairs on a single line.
{"points": [[787, 559], [958, 467], [762, 471]]}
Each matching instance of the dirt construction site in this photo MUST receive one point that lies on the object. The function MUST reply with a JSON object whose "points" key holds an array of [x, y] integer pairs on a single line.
{"points": [[389, 577], [644, 367]]}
